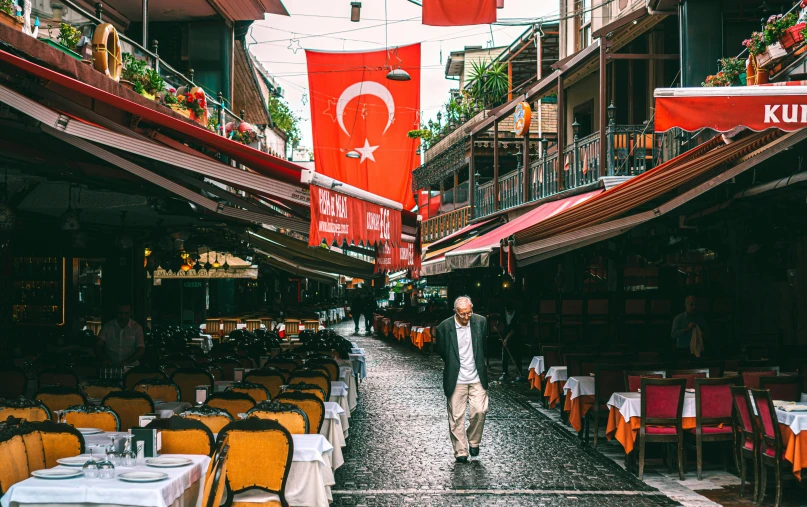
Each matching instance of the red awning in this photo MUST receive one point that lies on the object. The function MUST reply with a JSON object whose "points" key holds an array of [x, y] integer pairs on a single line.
{"points": [[476, 253], [723, 109], [338, 217], [254, 159]]}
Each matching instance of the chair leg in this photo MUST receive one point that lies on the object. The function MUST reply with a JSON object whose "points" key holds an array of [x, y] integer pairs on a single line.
{"points": [[681, 457], [756, 479], [742, 476], [699, 457], [596, 427], [778, 483], [763, 480], [641, 457]]}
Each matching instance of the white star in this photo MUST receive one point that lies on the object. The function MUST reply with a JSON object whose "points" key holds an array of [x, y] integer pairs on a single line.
{"points": [[367, 151], [294, 45]]}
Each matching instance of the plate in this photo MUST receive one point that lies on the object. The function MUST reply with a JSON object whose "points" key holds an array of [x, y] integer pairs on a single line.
{"points": [[75, 461], [690, 390], [142, 476], [168, 462], [57, 473], [89, 431]]}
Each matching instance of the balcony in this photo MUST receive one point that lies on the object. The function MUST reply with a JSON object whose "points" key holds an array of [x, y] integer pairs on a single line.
{"points": [[445, 224]]}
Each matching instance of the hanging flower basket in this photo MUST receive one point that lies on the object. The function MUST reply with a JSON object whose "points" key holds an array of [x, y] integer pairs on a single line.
{"points": [[771, 55], [793, 36]]}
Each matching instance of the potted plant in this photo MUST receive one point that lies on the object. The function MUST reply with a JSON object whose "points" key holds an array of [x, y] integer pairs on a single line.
{"points": [[66, 41], [774, 29], [756, 45], [134, 71], [8, 15], [793, 35]]}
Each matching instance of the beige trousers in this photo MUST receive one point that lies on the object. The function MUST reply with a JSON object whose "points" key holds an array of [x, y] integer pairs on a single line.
{"points": [[475, 396]]}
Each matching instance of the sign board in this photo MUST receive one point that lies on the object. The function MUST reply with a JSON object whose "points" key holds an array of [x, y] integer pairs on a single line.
{"points": [[522, 117], [340, 217]]}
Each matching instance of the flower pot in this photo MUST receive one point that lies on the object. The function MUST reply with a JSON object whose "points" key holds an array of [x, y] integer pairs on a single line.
{"points": [[771, 55], [61, 47], [9, 20], [742, 80], [762, 76], [127, 84], [793, 36], [750, 72], [184, 112]]}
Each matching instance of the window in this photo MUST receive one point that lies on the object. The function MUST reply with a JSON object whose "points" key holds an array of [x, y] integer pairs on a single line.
{"points": [[584, 24]]}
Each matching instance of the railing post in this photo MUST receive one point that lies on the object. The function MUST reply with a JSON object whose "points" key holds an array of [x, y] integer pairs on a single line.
{"points": [[220, 112], [145, 22], [99, 10], [190, 75], [154, 45], [544, 176], [561, 133], [495, 166], [471, 180], [575, 158], [525, 173], [611, 128]]}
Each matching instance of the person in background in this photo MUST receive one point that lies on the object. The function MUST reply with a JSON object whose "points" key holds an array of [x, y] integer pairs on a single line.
{"points": [[121, 341], [513, 342], [370, 306], [685, 324], [356, 309]]}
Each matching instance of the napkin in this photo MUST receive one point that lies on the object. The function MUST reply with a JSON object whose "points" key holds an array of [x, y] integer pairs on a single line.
{"points": [[780, 403], [795, 408]]}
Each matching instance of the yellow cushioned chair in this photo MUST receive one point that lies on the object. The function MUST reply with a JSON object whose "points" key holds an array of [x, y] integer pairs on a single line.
{"points": [[99, 388], [188, 378], [213, 418], [320, 368], [270, 378], [289, 416], [129, 405], [22, 408], [283, 364], [312, 377], [91, 416], [59, 398], [233, 403], [138, 373], [215, 480], [258, 458], [158, 389], [329, 364], [228, 365], [58, 376], [184, 436], [255, 391], [313, 407], [307, 388]]}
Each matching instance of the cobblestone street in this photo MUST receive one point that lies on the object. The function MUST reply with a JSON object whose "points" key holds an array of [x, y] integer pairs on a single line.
{"points": [[399, 451]]}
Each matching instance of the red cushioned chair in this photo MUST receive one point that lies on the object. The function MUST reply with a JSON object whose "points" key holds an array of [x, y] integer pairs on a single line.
{"points": [[771, 450], [608, 379], [713, 416], [633, 378], [786, 388], [662, 409], [751, 375], [748, 439], [690, 375]]}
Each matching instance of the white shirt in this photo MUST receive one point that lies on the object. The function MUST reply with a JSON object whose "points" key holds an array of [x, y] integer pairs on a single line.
{"points": [[509, 317], [468, 373]]}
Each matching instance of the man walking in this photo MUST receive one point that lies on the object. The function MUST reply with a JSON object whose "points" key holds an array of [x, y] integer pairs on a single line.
{"points": [[356, 309], [461, 342]]}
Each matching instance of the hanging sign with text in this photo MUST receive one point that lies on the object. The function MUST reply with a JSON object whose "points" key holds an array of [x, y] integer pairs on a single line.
{"points": [[339, 217]]}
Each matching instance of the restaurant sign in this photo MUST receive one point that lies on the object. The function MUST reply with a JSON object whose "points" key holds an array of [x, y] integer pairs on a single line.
{"points": [[522, 117], [250, 272], [339, 217], [390, 257]]}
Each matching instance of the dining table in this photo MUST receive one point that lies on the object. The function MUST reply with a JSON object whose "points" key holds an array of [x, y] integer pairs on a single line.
{"points": [[579, 392], [625, 411], [536, 372], [555, 380], [346, 376], [358, 361], [332, 430], [339, 394], [792, 417]]}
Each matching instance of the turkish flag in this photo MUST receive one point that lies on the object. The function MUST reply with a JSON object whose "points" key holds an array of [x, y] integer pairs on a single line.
{"points": [[459, 12], [356, 110]]}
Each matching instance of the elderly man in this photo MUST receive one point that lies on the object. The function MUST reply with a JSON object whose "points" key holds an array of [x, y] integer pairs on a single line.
{"points": [[120, 341], [685, 324], [461, 342]]}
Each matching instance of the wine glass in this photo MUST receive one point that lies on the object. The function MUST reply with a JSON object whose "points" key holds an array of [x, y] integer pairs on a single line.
{"points": [[59, 415], [112, 455], [90, 468], [106, 470], [128, 456]]}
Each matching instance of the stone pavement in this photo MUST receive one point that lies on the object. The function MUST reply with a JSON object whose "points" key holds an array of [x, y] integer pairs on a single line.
{"points": [[399, 451]]}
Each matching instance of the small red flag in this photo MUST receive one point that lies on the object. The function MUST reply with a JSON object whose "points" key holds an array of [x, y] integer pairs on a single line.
{"points": [[459, 12]]}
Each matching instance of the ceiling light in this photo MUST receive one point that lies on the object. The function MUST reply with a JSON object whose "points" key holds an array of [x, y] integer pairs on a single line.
{"points": [[353, 154], [355, 11], [398, 75]]}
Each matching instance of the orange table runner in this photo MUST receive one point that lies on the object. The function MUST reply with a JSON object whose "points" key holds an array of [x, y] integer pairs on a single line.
{"points": [[625, 432], [552, 392], [577, 409], [535, 380]]}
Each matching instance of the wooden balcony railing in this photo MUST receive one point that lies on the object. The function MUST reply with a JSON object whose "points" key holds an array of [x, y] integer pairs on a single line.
{"points": [[445, 224]]}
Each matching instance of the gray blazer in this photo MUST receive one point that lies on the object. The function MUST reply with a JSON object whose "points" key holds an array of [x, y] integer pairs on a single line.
{"points": [[448, 348]]}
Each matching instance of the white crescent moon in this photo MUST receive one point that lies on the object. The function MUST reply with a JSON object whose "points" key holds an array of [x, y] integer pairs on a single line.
{"points": [[365, 88]]}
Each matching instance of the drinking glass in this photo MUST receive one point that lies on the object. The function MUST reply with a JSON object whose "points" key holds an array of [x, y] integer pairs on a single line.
{"points": [[106, 470], [59, 414], [90, 468], [128, 457], [112, 455]]}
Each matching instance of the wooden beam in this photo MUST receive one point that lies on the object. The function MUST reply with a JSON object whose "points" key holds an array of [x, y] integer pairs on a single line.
{"points": [[635, 56], [561, 130], [471, 180], [525, 150], [603, 105], [510, 80], [495, 166]]}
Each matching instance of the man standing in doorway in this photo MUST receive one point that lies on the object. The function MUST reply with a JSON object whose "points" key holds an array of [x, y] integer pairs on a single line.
{"points": [[356, 309], [461, 342], [686, 326], [120, 341], [512, 342]]}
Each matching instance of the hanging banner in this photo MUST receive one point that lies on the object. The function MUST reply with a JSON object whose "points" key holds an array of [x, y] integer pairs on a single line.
{"points": [[360, 119], [723, 109], [459, 12], [339, 217], [391, 257]]}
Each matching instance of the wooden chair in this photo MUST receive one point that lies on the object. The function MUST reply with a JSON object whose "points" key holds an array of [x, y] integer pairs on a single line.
{"points": [[313, 407], [310, 325], [22, 408], [690, 375], [260, 453], [772, 449], [608, 379], [292, 417], [13, 382], [212, 417], [267, 323], [184, 436], [129, 405], [64, 377], [142, 372], [91, 416], [215, 480], [752, 374], [633, 378], [97, 389], [253, 325], [291, 328], [574, 364], [307, 388], [230, 325], [270, 378], [331, 365], [787, 388], [713, 414], [188, 378], [662, 406], [213, 328], [747, 445], [255, 391], [312, 377], [227, 365], [158, 389], [233, 403], [60, 398]]}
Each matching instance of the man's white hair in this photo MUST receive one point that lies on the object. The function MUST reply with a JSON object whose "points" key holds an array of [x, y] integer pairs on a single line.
{"points": [[462, 299]]}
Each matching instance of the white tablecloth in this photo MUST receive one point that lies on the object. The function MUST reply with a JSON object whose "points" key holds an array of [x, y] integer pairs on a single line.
{"points": [[346, 376], [579, 386], [332, 430], [171, 408], [176, 491], [537, 364], [338, 388], [359, 363], [630, 404], [556, 374], [342, 401]]}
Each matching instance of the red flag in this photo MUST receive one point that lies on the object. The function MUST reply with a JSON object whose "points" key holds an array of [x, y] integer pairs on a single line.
{"points": [[355, 109], [459, 12]]}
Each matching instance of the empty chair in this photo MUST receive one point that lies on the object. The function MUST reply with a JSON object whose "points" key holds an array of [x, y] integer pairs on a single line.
{"points": [[291, 328], [290, 416], [771, 450], [22, 408], [215, 371], [283, 364], [259, 458], [184, 436], [330, 364], [270, 378], [228, 326], [690, 375], [662, 405], [715, 367], [608, 379], [313, 407], [64, 377], [253, 325], [215, 480], [91, 416], [129, 405], [158, 389], [748, 441], [97, 389], [233, 403], [633, 378], [138, 373], [188, 378], [713, 414], [227, 365], [320, 368], [751, 374], [13, 382], [786, 388], [212, 417], [307, 388], [255, 391], [59, 398], [311, 377], [213, 328]]}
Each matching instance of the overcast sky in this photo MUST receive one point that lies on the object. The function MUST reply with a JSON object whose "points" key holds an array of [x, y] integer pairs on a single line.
{"points": [[311, 18]]}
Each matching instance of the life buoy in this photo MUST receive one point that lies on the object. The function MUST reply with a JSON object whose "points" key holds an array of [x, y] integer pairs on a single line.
{"points": [[106, 51]]}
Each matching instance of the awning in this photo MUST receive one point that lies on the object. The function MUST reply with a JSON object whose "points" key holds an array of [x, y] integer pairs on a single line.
{"points": [[287, 265], [726, 108], [476, 253], [435, 266], [459, 238], [465, 230], [579, 227]]}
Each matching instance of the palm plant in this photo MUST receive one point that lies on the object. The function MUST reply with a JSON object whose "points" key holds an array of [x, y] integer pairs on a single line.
{"points": [[488, 82]]}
